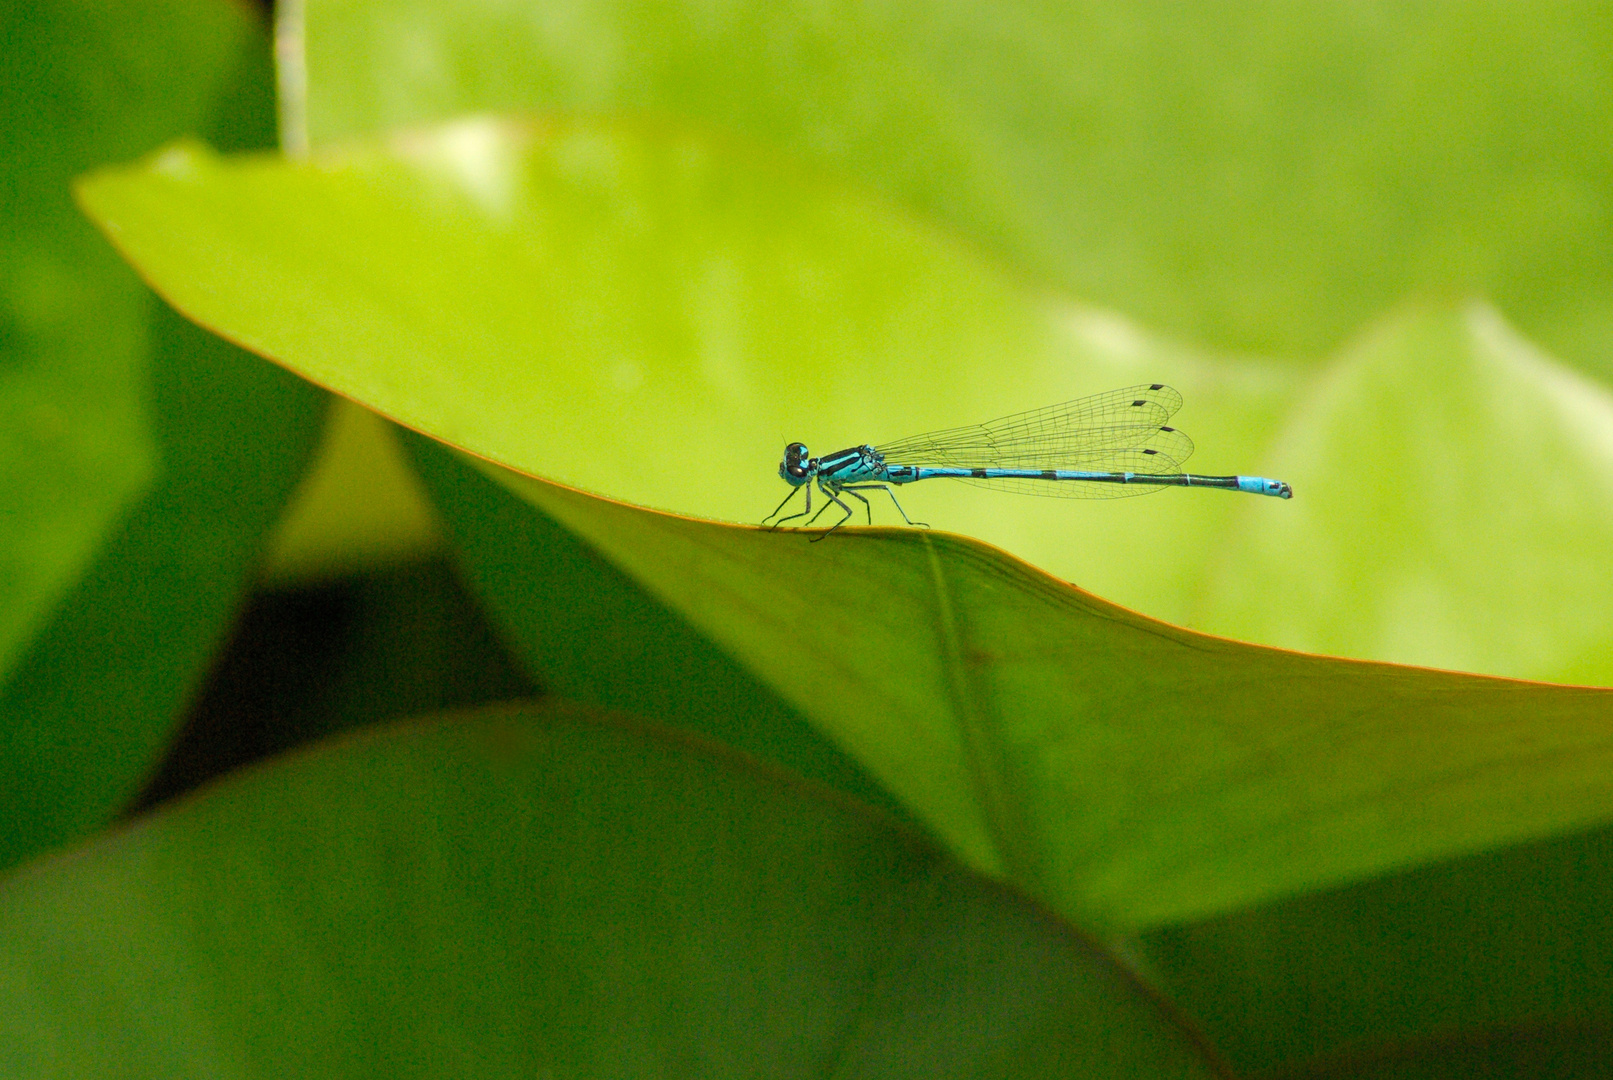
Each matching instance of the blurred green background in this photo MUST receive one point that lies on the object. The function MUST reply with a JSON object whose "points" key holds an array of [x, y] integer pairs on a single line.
{"points": [[635, 247]]}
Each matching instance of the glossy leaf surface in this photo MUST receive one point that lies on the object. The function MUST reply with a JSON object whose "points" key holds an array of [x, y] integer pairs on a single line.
{"points": [[1235, 807], [1246, 176], [1017, 801]]}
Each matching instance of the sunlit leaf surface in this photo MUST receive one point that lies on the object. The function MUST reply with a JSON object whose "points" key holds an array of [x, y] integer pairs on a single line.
{"points": [[1314, 852], [653, 314], [1249, 176], [1244, 176], [650, 314], [1465, 519]]}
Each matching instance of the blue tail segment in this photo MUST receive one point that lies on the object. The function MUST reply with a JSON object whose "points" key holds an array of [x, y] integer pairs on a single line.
{"points": [[1259, 485], [1097, 447]]}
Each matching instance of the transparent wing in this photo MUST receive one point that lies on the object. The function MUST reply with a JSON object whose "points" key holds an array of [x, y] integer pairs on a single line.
{"points": [[1120, 431]]}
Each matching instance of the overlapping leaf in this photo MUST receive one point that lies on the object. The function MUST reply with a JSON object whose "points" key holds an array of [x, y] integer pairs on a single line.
{"points": [[1246, 176], [532, 892], [479, 282], [1467, 519], [652, 313], [141, 459], [1132, 773], [628, 306]]}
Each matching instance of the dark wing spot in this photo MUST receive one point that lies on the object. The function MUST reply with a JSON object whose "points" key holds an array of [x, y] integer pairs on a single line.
{"points": [[1138, 402], [1157, 386], [1167, 429], [1150, 451]]}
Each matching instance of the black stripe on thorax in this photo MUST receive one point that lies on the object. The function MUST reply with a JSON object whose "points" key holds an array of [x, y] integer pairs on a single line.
{"points": [[839, 460]]}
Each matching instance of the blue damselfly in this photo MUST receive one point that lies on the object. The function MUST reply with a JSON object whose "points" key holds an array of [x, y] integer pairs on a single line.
{"points": [[1098, 447]]}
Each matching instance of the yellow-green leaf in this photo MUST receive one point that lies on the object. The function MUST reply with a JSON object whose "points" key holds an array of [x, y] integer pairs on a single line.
{"points": [[652, 313]]}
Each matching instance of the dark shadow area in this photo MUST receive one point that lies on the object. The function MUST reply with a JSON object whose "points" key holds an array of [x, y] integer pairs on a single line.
{"points": [[1567, 1051], [1481, 965], [306, 663]]}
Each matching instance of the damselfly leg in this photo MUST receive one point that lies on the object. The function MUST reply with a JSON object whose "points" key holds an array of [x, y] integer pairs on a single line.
{"points": [[847, 490], [782, 505], [833, 496], [886, 489]]}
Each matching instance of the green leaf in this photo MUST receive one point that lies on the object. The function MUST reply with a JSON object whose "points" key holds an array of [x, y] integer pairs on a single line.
{"points": [[142, 459], [1458, 509], [306, 663], [1252, 176], [89, 707], [359, 510], [591, 634], [479, 281], [1504, 957], [1128, 772], [1132, 756], [78, 87], [652, 314], [530, 892], [1257, 178], [503, 285], [1407, 965]]}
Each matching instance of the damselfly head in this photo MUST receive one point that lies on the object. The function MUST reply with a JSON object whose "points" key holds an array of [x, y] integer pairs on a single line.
{"points": [[795, 467]]}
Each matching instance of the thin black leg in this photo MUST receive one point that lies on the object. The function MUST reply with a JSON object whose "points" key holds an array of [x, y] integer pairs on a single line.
{"points": [[886, 489], [832, 498], [842, 506], [869, 510], [808, 489]]}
